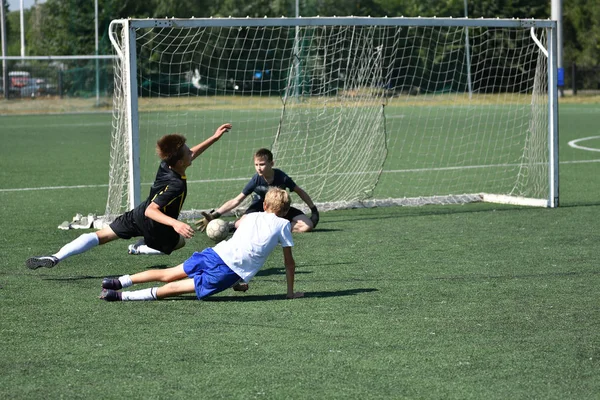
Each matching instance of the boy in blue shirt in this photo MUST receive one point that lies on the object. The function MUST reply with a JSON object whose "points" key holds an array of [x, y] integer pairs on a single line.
{"points": [[266, 177]]}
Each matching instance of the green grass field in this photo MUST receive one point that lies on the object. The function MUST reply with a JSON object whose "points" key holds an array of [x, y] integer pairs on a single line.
{"points": [[477, 301]]}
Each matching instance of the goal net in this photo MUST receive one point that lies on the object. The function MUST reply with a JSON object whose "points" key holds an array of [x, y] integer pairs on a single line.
{"points": [[358, 111]]}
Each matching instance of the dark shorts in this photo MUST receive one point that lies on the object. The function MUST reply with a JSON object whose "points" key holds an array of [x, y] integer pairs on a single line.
{"points": [[258, 207], [211, 275], [156, 236]]}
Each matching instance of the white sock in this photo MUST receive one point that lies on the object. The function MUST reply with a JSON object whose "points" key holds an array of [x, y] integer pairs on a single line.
{"points": [[125, 281], [81, 244], [142, 294], [144, 249]]}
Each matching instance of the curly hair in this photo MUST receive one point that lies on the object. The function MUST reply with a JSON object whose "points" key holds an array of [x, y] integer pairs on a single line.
{"points": [[170, 148]]}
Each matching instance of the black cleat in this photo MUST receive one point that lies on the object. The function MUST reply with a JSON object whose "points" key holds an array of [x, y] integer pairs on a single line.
{"points": [[110, 295], [240, 287], [110, 283], [42, 261]]}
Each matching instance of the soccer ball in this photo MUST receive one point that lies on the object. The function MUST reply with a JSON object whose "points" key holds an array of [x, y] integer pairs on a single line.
{"points": [[217, 229]]}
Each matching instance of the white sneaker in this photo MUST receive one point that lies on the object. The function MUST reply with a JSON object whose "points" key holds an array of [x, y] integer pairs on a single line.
{"points": [[84, 223], [65, 226], [133, 249]]}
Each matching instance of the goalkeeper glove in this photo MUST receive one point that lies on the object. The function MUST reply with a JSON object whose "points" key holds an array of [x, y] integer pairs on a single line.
{"points": [[202, 223], [314, 216]]}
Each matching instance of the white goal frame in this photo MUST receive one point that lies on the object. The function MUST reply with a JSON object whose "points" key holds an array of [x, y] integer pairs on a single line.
{"points": [[128, 58]]}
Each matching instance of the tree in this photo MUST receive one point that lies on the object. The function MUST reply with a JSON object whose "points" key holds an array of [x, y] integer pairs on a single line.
{"points": [[581, 33]]}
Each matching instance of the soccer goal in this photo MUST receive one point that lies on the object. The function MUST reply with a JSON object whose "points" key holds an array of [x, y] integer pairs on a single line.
{"points": [[358, 111]]}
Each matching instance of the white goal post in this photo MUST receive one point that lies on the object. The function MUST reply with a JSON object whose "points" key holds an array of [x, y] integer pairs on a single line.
{"points": [[358, 111]]}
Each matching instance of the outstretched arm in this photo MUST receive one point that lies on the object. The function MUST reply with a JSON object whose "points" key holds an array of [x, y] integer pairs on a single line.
{"points": [[304, 196], [314, 213], [227, 206], [231, 204], [199, 148], [290, 271], [153, 212]]}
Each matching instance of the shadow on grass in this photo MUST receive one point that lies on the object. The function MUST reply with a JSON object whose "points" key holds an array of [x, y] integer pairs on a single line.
{"points": [[161, 266], [279, 271], [323, 294], [431, 210], [71, 278], [318, 230], [514, 276], [299, 270], [579, 204], [270, 297]]}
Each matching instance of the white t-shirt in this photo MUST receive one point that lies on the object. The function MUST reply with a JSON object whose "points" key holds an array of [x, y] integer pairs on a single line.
{"points": [[256, 237]]}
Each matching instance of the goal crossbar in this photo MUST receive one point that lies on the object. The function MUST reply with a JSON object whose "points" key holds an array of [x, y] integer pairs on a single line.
{"points": [[336, 21]]}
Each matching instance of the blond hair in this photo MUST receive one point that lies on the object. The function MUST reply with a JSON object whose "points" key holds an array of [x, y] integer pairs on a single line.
{"points": [[277, 201]]}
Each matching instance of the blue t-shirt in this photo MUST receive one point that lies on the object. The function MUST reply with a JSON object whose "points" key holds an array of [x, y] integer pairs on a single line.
{"points": [[259, 186]]}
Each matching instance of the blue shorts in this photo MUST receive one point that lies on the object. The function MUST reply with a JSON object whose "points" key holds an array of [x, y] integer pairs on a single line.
{"points": [[211, 275]]}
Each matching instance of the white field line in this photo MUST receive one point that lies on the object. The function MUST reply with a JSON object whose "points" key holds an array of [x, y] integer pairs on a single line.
{"points": [[398, 171], [573, 144]]}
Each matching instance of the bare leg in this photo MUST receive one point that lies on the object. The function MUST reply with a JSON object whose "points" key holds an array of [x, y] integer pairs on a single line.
{"points": [[106, 235], [239, 221], [160, 275], [176, 288], [302, 223]]}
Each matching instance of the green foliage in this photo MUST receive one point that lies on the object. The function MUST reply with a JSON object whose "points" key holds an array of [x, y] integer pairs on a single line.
{"points": [[582, 31], [66, 27]]}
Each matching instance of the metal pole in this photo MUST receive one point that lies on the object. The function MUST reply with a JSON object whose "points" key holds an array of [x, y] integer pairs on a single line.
{"points": [[22, 31], [557, 16], [553, 116], [468, 54], [296, 54], [97, 61], [3, 38]]}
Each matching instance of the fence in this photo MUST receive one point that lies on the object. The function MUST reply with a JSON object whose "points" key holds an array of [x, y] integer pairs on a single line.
{"points": [[584, 79], [57, 76]]}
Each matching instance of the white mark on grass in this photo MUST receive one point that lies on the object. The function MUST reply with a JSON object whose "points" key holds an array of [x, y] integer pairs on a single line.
{"points": [[573, 143], [217, 181]]}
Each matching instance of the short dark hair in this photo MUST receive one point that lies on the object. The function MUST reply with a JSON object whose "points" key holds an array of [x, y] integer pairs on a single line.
{"points": [[170, 148], [264, 153]]}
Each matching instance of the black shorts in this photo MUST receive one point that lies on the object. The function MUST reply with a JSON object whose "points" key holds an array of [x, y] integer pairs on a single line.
{"points": [[258, 207], [157, 236]]}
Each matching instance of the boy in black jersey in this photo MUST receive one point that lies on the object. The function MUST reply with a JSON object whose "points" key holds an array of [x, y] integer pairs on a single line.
{"points": [[154, 219], [266, 176]]}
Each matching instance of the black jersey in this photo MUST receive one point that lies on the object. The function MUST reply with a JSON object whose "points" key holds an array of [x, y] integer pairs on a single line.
{"points": [[168, 191], [260, 186]]}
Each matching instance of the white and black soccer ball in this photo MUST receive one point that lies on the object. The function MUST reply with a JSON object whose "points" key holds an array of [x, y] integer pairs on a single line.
{"points": [[217, 229]]}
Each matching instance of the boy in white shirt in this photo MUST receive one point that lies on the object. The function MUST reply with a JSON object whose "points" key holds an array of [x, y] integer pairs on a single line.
{"points": [[230, 264]]}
